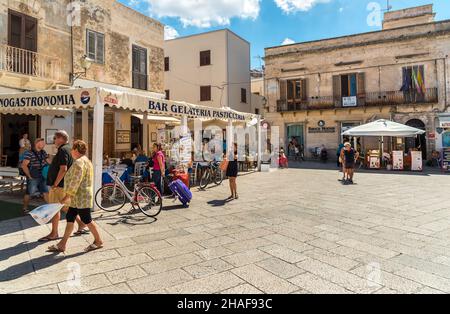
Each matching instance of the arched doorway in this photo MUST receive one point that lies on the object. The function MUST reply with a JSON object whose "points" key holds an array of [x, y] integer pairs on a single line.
{"points": [[418, 141]]}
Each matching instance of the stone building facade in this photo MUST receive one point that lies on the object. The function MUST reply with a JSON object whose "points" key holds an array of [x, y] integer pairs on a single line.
{"points": [[316, 90], [54, 44]]}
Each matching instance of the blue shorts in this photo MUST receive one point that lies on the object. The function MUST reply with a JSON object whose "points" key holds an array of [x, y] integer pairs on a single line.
{"points": [[35, 186]]}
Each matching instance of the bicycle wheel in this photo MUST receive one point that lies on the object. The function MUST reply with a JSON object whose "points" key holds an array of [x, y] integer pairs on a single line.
{"points": [[110, 198], [149, 201], [218, 176], [204, 181]]}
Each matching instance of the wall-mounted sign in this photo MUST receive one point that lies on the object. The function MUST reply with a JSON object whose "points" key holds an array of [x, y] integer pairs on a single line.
{"points": [[351, 101], [123, 137], [321, 123], [431, 136], [322, 130]]}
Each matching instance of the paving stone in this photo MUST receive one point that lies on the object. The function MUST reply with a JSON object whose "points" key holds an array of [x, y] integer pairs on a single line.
{"points": [[121, 288], [288, 242], [332, 259], [342, 278], [264, 280], [174, 251], [242, 289], [84, 284], [217, 241], [125, 274], [244, 258], [170, 263], [365, 247], [53, 289], [248, 244], [214, 253], [143, 248], [207, 285], [284, 253], [208, 268], [315, 284], [280, 268], [159, 281]]}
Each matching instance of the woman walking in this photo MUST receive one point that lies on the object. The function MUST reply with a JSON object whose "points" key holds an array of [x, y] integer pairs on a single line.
{"points": [[79, 191], [159, 166], [232, 172]]}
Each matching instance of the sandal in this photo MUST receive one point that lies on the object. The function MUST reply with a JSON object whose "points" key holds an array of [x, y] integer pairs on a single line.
{"points": [[54, 249], [93, 247], [81, 232]]}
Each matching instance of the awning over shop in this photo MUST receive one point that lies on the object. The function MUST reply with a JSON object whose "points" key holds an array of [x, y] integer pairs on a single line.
{"points": [[157, 118], [43, 102], [384, 128], [89, 97]]}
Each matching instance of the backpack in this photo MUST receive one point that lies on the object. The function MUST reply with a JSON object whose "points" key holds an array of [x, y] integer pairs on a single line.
{"points": [[37, 172]]}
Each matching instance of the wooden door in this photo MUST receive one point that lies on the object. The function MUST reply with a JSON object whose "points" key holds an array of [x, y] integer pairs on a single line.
{"points": [[108, 139]]}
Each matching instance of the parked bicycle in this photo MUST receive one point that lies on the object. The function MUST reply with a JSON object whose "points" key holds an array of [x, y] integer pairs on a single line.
{"points": [[145, 196], [212, 173]]}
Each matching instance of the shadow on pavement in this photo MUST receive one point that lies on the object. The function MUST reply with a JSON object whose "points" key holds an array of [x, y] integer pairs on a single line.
{"points": [[25, 268], [219, 203], [128, 218]]}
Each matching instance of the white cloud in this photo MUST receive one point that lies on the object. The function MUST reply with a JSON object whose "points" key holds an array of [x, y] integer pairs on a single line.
{"points": [[170, 33], [205, 13], [291, 6], [287, 41], [341, 10]]}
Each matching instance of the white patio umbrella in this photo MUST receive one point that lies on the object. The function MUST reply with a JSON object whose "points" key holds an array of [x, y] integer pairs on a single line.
{"points": [[382, 128]]}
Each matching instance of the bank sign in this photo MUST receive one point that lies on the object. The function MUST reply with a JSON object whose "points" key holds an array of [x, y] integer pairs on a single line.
{"points": [[198, 112], [49, 99]]}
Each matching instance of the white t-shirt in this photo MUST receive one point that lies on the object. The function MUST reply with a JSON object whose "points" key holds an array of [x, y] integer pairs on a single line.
{"points": [[24, 142]]}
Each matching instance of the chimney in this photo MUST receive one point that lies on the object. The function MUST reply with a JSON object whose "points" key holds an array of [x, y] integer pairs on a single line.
{"points": [[407, 17]]}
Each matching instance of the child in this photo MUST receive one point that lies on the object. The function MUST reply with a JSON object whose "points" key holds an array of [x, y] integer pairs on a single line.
{"points": [[283, 161]]}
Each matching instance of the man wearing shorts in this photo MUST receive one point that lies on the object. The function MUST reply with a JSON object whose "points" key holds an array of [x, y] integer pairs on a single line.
{"points": [[33, 164], [61, 163]]}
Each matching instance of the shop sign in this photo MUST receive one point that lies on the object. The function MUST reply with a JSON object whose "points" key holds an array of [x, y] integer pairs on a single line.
{"points": [[174, 108], [349, 101], [63, 98], [265, 125], [322, 130], [431, 136]]}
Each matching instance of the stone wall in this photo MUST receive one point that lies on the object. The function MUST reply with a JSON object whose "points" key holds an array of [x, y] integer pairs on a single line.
{"points": [[122, 28]]}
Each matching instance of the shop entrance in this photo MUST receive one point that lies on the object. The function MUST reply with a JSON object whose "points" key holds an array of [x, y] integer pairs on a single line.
{"points": [[418, 142], [294, 131], [13, 127], [136, 133]]}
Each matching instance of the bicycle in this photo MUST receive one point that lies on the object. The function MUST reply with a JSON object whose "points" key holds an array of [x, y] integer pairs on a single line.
{"points": [[145, 196], [213, 173]]}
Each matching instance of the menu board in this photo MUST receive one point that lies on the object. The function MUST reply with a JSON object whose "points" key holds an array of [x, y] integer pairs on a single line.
{"points": [[416, 161], [446, 158], [397, 160], [374, 162]]}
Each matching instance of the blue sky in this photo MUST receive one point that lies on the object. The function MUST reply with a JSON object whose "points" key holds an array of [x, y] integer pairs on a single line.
{"points": [[266, 23]]}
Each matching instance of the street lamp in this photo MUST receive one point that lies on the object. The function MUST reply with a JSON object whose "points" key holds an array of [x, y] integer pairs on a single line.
{"points": [[85, 63]]}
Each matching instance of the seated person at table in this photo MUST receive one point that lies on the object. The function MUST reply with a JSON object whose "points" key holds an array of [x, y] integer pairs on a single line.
{"points": [[126, 160], [141, 158]]}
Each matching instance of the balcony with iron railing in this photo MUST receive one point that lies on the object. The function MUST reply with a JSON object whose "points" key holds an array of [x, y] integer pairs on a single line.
{"points": [[312, 103], [29, 63], [390, 98]]}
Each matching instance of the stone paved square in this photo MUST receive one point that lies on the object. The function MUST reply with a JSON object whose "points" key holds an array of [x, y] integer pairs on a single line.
{"points": [[291, 231]]}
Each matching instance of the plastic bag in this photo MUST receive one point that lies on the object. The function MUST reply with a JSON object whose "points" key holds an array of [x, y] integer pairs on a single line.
{"points": [[45, 213]]}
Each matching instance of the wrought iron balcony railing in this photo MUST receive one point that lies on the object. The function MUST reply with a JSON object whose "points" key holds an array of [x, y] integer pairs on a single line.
{"points": [[21, 61]]}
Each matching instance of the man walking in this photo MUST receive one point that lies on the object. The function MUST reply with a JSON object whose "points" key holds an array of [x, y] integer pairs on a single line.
{"points": [[55, 180], [33, 164], [79, 189]]}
